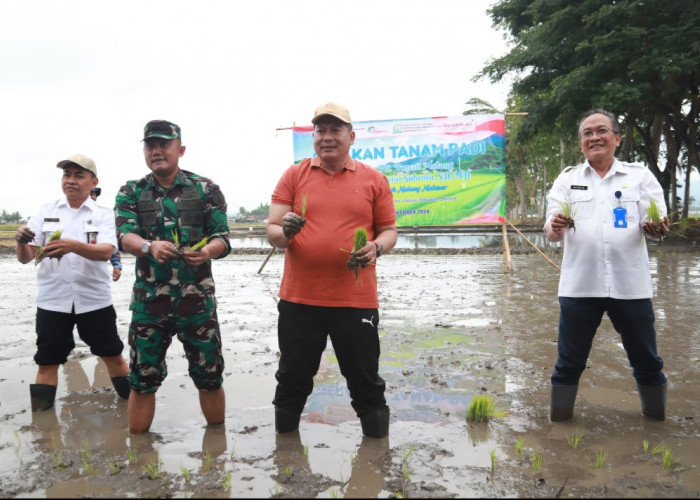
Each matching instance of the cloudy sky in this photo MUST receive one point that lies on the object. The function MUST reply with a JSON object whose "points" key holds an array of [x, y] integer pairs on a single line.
{"points": [[85, 76]]}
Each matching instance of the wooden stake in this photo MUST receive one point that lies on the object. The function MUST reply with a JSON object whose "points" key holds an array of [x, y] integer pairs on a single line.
{"points": [[272, 250], [533, 245]]}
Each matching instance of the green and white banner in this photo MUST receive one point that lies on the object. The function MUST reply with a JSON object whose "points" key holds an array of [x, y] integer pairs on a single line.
{"points": [[442, 171]]}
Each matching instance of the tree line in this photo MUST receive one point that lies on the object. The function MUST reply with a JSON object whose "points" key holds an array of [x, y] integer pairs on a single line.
{"points": [[637, 58]]}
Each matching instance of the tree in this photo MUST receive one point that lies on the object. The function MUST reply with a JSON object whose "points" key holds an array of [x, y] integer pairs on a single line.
{"points": [[639, 59]]}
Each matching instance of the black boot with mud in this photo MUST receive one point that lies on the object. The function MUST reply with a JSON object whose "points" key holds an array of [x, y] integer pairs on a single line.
{"points": [[121, 385], [42, 396], [286, 420], [653, 401], [561, 405], [375, 424]]}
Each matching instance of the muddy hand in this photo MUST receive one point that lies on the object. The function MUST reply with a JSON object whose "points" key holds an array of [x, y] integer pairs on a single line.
{"points": [[164, 251], [292, 224], [24, 235]]}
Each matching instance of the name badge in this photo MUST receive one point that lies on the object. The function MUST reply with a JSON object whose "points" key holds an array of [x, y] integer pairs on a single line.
{"points": [[52, 219], [620, 214], [581, 188]]}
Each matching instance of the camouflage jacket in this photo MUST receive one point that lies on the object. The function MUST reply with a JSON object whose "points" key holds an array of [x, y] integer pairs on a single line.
{"points": [[191, 209]]}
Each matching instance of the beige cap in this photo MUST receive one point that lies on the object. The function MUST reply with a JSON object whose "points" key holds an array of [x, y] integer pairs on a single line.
{"points": [[333, 109], [80, 160]]}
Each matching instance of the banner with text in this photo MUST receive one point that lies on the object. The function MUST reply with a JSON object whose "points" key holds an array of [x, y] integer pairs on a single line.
{"points": [[442, 171]]}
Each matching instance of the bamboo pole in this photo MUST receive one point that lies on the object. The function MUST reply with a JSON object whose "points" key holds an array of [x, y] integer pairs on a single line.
{"points": [[533, 245], [507, 260], [272, 250]]}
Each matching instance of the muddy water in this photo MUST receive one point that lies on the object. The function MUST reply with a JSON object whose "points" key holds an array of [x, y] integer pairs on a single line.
{"points": [[451, 327]]}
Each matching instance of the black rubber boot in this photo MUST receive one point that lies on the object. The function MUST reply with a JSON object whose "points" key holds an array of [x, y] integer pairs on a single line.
{"points": [[286, 420], [653, 401], [42, 396], [375, 424], [121, 385], [561, 402]]}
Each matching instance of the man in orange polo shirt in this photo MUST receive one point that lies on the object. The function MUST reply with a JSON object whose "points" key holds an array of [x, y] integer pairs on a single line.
{"points": [[316, 207]]}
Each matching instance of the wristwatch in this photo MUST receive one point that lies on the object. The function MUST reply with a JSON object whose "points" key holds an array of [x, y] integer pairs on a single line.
{"points": [[145, 246], [380, 248]]}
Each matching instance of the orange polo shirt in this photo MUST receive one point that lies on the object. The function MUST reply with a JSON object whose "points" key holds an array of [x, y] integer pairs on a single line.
{"points": [[314, 264]]}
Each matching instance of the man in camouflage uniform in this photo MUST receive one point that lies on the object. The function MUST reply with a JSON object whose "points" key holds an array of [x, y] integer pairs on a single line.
{"points": [[158, 218]]}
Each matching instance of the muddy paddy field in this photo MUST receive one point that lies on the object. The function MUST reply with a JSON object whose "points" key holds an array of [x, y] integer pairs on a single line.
{"points": [[451, 327]]}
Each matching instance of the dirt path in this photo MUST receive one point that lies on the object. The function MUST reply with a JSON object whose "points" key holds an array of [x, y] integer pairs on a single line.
{"points": [[451, 327]]}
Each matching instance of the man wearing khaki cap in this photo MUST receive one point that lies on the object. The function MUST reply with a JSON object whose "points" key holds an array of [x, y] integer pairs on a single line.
{"points": [[316, 207], [71, 240]]}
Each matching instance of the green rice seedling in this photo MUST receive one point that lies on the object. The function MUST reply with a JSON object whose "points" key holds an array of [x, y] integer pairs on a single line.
{"points": [[287, 470], [226, 481], [599, 461], [569, 211], [536, 461], [152, 469], [654, 216], [304, 204], [199, 245], [114, 468], [360, 239], [207, 461], [658, 448], [131, 455], [334, 493], [482, 409], [85, 449], [519, 445], [668, 459], [404, 464], [574, 439], [399, 494], [41, 251], [493, 460], [88, 468], [186, 473], [645, 445], [306, 451], [58, 460]]}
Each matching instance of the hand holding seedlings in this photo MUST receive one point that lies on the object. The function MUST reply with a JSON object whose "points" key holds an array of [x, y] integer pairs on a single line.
{"points": [[655, 227], [561, 222], [24, 235], [292, 224], [53, 249]]}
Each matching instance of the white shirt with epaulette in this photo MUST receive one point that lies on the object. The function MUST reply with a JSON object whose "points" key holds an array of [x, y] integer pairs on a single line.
{"points": [[74, 281], [601, 259]]}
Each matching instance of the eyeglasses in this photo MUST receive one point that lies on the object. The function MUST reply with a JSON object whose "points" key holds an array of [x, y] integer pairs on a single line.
{"points": [[600, 131]]}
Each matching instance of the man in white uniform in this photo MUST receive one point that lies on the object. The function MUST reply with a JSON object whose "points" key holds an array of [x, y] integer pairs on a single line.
{"points": [[73, 283], [605, 267]]}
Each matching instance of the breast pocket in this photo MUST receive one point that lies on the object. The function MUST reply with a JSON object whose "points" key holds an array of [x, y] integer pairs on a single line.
{"points": [[630, 200], [581, 204]]}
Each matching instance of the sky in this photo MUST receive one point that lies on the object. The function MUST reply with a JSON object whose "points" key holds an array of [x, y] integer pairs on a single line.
{"points": [[85, 77]]}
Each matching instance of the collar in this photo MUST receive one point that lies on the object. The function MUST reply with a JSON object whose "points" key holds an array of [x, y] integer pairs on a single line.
{"points": [[89, 203], [348, 165], [180, 179], [617, 167]]}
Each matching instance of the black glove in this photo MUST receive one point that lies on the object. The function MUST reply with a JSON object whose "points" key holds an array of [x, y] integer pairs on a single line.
{"points": [[292, 224], [24, 235]]}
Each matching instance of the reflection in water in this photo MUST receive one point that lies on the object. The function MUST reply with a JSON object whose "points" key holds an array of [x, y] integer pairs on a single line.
{"points": [[430, 241], [366, 479]]}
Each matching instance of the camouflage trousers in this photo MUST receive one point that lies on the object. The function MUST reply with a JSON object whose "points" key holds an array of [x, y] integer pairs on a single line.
{"points": [[150, 336]]}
